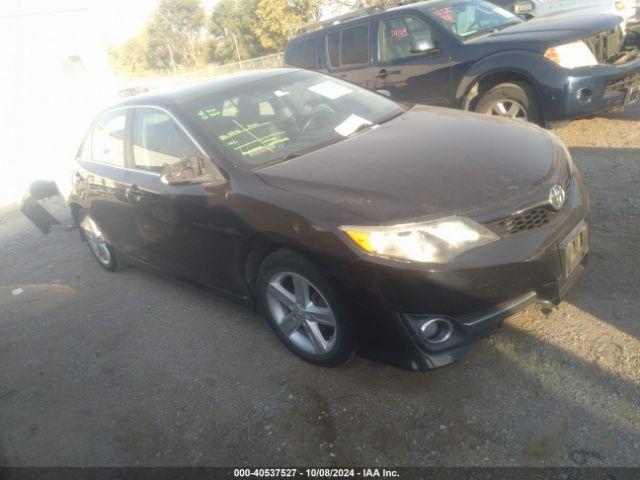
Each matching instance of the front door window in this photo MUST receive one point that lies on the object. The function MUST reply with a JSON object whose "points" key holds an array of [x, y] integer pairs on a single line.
{"points": [[158, 140], [402, 37]]}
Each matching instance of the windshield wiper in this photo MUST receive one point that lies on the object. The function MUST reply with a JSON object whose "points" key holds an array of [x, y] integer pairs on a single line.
{"points": [[289, 156], [507, 25], [480, 33], [487, 31], [361, 128], [391, 117]]}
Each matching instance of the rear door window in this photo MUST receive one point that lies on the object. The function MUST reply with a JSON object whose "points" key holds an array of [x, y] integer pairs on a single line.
{"points": [[355, 46], [107, 141], [302, 54], [158, 140], [348, 47]]}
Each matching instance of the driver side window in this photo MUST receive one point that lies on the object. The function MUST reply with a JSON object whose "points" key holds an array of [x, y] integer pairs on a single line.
{"points": [[400, 37], [158, 140]]}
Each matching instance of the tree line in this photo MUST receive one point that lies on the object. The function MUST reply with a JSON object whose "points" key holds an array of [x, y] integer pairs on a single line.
{"points": [[179, 35]]}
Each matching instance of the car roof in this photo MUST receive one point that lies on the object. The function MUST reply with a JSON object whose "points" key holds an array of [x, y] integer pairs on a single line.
{"points": [[326, 25], [186, 93]]}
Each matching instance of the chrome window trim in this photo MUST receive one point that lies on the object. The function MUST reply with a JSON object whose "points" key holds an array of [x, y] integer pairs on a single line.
{"points": [[156, 107]]}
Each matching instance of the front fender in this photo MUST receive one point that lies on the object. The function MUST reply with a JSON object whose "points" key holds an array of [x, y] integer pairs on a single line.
{"points": [[519, 62]]}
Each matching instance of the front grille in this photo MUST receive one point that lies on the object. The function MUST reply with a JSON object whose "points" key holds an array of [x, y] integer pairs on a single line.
{"points": [[522, 222], [606, 45], [629, 81]]}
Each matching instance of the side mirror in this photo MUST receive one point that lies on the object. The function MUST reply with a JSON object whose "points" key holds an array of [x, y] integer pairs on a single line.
{"points": [[424, 46], [187, 170], [524, 7]]}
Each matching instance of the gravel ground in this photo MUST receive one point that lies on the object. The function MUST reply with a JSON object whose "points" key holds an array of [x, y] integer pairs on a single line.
{"points": [[134, 369]]}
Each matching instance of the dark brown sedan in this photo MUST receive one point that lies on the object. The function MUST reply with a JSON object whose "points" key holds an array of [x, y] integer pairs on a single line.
{"points": [[352, 222]]}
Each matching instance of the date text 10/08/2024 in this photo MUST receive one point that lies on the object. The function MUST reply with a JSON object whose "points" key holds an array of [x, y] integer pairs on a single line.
{"points": [[316, 472]]}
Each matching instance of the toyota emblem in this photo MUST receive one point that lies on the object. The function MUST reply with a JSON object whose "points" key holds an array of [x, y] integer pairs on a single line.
{"points": [[557, 197]]}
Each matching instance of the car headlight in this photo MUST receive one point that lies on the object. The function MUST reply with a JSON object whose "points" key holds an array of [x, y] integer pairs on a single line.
{"points": [[429, 242], [572, 55]]}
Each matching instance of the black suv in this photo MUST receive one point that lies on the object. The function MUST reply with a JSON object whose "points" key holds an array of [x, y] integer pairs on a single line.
{"points": [[474, 55]]}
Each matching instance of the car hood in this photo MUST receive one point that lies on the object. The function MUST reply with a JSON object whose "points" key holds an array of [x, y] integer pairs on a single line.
{"points": [[427, 162], [555, 30]]}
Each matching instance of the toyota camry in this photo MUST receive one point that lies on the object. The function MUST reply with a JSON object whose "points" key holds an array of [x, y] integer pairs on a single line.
{"points": [[352, 222]]}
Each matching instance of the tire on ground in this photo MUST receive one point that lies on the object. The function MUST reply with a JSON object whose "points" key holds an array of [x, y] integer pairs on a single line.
{"points": [[516, 91], [285, 260]]}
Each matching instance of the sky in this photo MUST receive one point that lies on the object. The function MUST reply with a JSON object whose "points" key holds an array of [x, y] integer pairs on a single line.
{"points": [[118, 20], [57, 74]]}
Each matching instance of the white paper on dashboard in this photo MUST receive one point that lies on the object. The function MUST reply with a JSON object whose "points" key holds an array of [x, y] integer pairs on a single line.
{"points": [[329, 89], [351, 124]]}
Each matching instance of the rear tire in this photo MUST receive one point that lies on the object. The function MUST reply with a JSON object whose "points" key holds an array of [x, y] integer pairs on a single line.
{"points": [[304, 309], [515, 100], [104, 253]]}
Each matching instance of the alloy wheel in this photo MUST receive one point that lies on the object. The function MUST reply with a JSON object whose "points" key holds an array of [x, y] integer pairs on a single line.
{"points": [[301, 313], [96, 241], [508, 109]]}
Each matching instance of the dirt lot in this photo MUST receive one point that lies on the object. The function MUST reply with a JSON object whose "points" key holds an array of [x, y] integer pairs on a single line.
{"points": [[133, 369]]}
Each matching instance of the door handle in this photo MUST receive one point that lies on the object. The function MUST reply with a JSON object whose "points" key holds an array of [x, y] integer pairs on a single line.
{"points": [[133, 193], [384, 73]]}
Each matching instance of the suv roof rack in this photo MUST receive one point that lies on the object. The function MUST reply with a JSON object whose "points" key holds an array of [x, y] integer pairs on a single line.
{"points": [[354, 15]]}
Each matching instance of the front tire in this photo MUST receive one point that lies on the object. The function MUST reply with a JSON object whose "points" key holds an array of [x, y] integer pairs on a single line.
{"points": [[304, 309], [514, 100]]}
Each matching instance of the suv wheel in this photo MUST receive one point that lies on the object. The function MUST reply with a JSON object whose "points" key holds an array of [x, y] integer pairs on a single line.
{"points": [[510, 100], [304, 309]]}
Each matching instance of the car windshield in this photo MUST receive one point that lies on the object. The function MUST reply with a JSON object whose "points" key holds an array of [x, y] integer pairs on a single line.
{"points": [[287, 115], [471, 18]]}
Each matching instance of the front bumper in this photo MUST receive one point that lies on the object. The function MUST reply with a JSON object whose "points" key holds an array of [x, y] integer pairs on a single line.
{"points": [[570, 94], [32, 209], [482, 289]]}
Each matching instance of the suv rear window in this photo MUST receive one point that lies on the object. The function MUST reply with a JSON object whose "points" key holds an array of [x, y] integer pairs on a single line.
{"points": [[348, 47], [302, 54]]}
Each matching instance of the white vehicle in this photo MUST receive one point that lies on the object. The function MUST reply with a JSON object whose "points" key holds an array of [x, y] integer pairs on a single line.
{"points": [[627, 9]]}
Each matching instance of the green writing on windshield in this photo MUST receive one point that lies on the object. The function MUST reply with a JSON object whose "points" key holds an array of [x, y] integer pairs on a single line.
{"points": [[209, 113], [247, 139]]}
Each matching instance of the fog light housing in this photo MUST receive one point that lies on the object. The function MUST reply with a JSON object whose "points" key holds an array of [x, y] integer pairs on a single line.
{"points": [[584, 95], [436, 330], [435, 333]]}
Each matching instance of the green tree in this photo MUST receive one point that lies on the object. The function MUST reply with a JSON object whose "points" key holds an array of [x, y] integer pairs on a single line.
{"points": [[235, 18], [132, 56], [341, 5], [175, 33], [279, 20]]}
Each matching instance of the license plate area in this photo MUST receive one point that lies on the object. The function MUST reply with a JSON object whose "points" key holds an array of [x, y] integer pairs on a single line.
{"points": [[574, 247]]}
